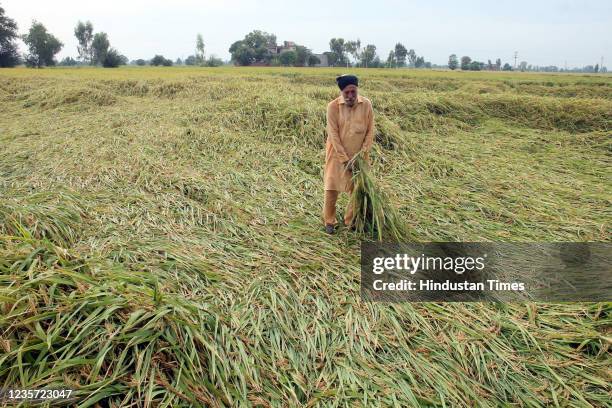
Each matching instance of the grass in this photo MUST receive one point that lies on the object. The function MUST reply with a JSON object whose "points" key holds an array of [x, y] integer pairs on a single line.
{"points": [[161, 241]]}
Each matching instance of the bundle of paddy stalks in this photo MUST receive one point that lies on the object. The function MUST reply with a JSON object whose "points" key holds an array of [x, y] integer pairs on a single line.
{"points": [[374, 217]]}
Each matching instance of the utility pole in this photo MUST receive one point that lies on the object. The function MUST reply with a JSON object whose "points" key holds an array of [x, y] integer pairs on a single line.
{"points": [[515, 57], [601, 64]]}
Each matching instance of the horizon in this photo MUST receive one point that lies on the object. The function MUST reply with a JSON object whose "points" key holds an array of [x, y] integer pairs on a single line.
{"points": [[565, 34]]}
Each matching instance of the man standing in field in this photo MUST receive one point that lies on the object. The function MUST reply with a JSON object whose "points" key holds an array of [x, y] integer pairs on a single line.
{"points": [[350, 130]]}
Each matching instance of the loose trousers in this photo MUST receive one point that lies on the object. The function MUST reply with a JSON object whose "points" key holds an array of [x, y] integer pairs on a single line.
{"points": [[329, 207]]}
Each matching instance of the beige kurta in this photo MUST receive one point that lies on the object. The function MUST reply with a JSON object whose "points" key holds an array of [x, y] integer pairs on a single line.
{"points": [[349, 130]]}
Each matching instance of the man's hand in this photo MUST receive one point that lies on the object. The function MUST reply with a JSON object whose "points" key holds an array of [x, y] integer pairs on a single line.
{"points": [[349, 165], [366, 156]]}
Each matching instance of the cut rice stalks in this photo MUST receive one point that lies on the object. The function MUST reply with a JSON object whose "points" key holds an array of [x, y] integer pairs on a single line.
{"points": [[374, 217]]}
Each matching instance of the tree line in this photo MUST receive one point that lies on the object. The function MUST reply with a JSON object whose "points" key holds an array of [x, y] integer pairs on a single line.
{"points": [[196, 59], [256, 48], [93, 48], [466, 64]]}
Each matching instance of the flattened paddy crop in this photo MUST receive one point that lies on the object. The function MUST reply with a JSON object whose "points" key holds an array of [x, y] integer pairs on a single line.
{"points": [[161, 240]]}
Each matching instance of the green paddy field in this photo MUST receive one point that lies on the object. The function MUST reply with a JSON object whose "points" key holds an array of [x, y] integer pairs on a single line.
{"points": [[161, 241]]}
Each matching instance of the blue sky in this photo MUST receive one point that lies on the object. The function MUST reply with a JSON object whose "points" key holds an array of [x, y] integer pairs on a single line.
{"points": [[543, 32]]}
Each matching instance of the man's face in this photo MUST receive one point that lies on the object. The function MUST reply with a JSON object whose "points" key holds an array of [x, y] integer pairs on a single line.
{"points": [[350, 95]]}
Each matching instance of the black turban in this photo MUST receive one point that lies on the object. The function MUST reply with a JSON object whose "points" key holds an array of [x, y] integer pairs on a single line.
{"points": [[344, 80]]}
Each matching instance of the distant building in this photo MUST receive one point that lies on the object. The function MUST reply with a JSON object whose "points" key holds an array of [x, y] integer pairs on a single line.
{"points": [[279, 49], [276, 50], [323, 59]]}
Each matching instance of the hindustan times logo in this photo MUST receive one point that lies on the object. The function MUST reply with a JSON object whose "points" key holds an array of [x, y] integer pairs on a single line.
{"points": [[413, 264]]}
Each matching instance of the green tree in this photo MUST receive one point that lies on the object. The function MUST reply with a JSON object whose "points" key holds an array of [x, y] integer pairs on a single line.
{"points": [[400, 52], [275, 61], [302, 54], [191, 60], [419, 62], [465, 63], [391, 60], [368, 55], [255, 47], [354, 49], [288, 58], [9, 56], [199, 49], [140, 62], [412, 57], [112, 59], [498, 64], [84, 34], [475, 66], [453, 63], [507, 67], [241, 53], [313, 60], [213, 61], [68, 62], [42, 46], [160, 60], [260, 42], [99, 47], [338, 47]]}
